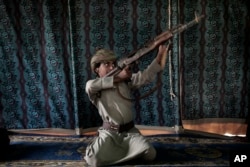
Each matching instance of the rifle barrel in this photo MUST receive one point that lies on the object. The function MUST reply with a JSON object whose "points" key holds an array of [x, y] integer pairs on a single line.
{"points": [[158, 40], [188, 25]]}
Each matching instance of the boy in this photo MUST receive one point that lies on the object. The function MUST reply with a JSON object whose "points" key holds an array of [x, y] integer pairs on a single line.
{"points": [[118, 139]]}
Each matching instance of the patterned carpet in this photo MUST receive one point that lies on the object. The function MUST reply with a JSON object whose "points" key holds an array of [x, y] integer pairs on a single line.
{"points": [[172, 150]]}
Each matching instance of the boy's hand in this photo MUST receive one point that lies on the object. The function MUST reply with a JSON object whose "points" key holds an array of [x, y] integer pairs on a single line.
{"points": [[125, 74], [162, 55]]}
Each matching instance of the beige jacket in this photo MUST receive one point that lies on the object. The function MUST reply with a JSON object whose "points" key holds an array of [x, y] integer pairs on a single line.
{"points": [[104, 95]]}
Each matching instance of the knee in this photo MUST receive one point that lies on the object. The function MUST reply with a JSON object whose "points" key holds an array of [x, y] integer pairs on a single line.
{"points": [[92, 160], [150, 154]]}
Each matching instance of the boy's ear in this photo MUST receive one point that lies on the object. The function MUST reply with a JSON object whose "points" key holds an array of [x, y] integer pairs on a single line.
{"points": [[97, 70]]}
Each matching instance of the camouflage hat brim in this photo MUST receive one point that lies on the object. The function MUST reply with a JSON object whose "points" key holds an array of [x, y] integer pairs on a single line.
{"points": [[101, 56]]}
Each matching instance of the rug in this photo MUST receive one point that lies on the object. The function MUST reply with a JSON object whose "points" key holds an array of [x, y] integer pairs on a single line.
{"points": [[172, 150]]}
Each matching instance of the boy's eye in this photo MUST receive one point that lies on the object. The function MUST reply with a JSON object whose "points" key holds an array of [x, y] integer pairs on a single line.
{"points": [[108, 64]]}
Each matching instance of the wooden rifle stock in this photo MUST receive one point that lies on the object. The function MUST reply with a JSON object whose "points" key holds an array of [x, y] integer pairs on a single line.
{"points": [[163, 37]]}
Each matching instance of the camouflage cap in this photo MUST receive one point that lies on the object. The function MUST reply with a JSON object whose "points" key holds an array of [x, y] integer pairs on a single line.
{"points": [[101, 56]]}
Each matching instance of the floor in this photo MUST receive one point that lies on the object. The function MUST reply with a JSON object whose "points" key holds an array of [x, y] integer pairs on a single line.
{"points": [[145, 130]]}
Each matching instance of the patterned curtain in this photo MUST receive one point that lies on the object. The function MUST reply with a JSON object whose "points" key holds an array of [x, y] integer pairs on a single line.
{"points": [[122, 26], [46, 46], [35, 68], [215, 67]]}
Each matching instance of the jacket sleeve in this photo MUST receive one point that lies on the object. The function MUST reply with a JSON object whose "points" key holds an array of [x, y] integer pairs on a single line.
{"points": [[94, 86], [146, 76]]}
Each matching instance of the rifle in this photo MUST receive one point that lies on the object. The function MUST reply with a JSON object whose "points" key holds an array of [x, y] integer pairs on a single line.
{"points": [[163, 37]]}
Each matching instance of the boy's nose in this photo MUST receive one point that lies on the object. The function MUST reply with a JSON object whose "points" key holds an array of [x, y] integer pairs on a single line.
{"points": [[111, 67]]}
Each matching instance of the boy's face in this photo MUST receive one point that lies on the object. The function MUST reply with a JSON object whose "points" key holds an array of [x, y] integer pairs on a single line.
{"points": [[105, 67]]}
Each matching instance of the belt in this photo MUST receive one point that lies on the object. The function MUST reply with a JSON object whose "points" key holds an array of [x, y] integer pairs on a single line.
{"points": [[118, 128]]}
